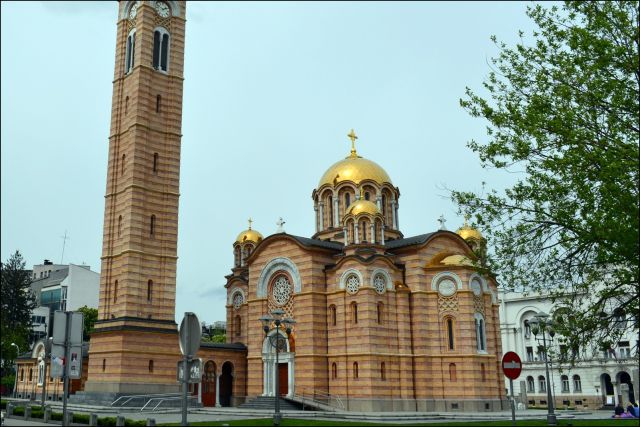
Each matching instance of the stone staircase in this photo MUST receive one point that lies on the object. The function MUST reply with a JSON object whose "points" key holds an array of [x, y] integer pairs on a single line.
{"points": [[269, 402]]}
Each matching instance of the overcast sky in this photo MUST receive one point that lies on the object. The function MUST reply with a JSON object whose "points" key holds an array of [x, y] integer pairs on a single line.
{"points": [[270, 92]]}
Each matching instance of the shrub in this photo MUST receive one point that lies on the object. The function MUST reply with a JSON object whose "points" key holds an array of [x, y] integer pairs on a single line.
{"points": [[18, 410], [106, 421], [3, 404], [56, 416], [81, 418], [134, 423], [37, 412]]}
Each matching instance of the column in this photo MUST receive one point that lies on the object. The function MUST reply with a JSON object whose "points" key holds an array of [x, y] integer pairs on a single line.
{"points": [[315, 208], [382, 233], [291, 378], [346, 235], [373, 231], [336, 220], [397, 216], [393, 214], [356, 237], [200, 391], [321, 215], [379, 202], [265, 383], [218, 390]]}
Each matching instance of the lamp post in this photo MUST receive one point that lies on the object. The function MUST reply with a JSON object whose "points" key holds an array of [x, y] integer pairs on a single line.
{"points": [[15, 384], [542, 325], [286, 323]]}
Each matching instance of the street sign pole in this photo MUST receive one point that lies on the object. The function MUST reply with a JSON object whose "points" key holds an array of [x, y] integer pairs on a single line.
{"points": [[65, 388], [185, 379], [512, 367], [513, 404], [190, 334]]}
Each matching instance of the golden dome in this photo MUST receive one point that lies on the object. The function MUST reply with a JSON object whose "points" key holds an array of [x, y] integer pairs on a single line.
{"points": [[457, 260], [467, 232], [362, 206], [249, 235]]}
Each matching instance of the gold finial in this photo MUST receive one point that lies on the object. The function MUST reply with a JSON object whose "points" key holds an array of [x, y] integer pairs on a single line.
{"points": [[361, 193], [250, 221], [352, 135]]}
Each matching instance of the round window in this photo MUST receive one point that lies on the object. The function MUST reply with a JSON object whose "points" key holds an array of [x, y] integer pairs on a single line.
{"points": [[380, 283], [352, 284], [237, 300], [281, 291]]}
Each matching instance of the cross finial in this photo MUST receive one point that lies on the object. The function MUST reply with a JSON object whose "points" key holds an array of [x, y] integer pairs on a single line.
{"points": [[441, 220], [280, 223], [352, 135], [250, 221]]}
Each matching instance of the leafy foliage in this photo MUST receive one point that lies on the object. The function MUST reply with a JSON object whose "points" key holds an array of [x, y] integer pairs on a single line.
{"points": [[563, 112], [16, 304], [90, 318]]}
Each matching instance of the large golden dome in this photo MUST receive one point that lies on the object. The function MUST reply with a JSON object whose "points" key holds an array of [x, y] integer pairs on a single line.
{"points": [[362, 206], [249, 235], [468, 232]]}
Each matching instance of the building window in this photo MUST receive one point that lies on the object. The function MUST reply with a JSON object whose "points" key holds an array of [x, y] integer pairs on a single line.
{"points": [[330, 211], [152, 225], [529, 354], [355, 370], [158, 101], [130, 51], [367, 195], [126, 104], [384, 206], [332, 315], [155, 162], [527, 329], [565, 383], [383, 373], [541, 354], [104, 364], [453, 376], [119, 225], [238, 326], [160, 49], [354, 312], [379, 311], [450, 337], [124, 157], [347, 200], [115, 291], [334, 371], [149, 289], [22, 375], [531, 386], [483, 372], [625, 349], [150, 365], [542, 384], [577, 384], [480, 333]]}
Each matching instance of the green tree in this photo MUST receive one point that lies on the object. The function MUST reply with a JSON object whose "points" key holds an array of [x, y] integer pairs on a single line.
{"points": [[90, 317], [563, 116], [15, 307]]}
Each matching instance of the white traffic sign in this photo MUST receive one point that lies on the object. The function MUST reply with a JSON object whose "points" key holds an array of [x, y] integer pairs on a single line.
{"points": [[190, 334], [194, 368]]}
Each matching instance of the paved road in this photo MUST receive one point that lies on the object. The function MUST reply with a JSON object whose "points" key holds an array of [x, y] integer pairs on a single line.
{"points": [[21, 422]]}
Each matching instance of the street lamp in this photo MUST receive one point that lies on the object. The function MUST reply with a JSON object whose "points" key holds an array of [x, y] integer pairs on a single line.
{"points": [[286, 323], [541, 324], [15, 385]]}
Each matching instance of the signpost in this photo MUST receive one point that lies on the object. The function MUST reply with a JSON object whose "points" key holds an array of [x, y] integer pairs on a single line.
{"points": [[195, 371], [512, 367], [190, 334]]}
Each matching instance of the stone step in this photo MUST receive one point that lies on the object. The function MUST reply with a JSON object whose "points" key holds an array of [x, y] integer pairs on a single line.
{"points": [[268, 402]]}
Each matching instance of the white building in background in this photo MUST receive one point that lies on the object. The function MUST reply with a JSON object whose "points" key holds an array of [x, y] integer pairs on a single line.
{"points": [[598, 378]]}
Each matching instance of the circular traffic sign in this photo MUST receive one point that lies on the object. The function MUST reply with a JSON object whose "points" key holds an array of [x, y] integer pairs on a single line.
{"points": [[511, 365], [190, 333]]}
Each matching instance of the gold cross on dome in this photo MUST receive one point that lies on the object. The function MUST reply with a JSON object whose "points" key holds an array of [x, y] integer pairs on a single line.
{"points": [[352, 135], [250, 221]]}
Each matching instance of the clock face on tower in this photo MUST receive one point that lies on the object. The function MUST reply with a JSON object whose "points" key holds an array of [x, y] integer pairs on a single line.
{"points": [[162, 8]]}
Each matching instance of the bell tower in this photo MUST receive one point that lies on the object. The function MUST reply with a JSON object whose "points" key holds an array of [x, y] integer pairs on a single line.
{"points": [[134, 348]]}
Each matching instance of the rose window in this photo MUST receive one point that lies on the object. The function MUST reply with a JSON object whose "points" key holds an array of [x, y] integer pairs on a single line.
{"points": [[281, 291], [380, 283], [237, 300], [352, 284]]}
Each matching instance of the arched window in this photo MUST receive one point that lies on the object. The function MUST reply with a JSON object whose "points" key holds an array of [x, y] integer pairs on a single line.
{"points": [[237, 256], [238, 326], [367, 195], [527, 329], [160, 49], [481, 344], [384, 207], [30, 374], [150, 365], [453, 376], [363, 231], [450, 337], [22, 375], [332, 315], [149, 289], [383, 373], [379, 311], [483, 372], [334, 371], [330, 211], [542, 384], [104, 364], [531, 386], [119, 225], [347, 200], [130, 51], [155, 162], [355, 370], [126, 104], [158, 101], [115, 291], [124, 157], [354, 312], [565, 383], [577, 384], [153, 225]]}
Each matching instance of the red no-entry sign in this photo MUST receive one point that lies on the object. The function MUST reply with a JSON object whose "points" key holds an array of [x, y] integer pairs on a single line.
{"points": [[511, 365]]}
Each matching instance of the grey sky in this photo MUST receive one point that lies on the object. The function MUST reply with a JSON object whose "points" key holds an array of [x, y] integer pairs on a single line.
{"points": [[270, 92]]}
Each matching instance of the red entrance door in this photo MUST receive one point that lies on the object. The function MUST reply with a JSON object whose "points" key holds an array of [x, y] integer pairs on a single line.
{"points": [[209, 384], [283, 378]]}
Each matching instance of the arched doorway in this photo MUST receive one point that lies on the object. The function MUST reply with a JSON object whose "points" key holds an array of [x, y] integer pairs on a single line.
{"points": [[285, 368], [226, 384], [625, 396], [608, 396], [209, 384]]}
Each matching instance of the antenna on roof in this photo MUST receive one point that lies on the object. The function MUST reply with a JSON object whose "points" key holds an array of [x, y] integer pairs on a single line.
{"points": [[64, 243]]}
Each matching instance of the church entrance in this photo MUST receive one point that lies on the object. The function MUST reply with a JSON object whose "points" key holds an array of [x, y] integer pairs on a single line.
{"points": [[209, 384], [284, 369], [226, 384], [283, 378]]}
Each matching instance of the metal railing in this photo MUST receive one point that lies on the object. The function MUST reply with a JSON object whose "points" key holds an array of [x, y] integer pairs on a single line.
{"points": [[123, 400], [161, 400], [318, 397]]}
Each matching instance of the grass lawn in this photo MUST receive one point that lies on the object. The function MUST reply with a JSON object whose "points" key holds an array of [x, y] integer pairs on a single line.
{"points": [[312, 422]]}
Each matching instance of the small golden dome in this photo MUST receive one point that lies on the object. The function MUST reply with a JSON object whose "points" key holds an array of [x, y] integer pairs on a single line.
{"points": [[457, 260], [362, 206], [467, 232], [249, 235]]}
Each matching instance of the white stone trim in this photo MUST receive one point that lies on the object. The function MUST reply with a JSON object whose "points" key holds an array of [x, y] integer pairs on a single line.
{"points": [[233, 291], [386, 275], [442, 275], [277, 264], [347, 273]]}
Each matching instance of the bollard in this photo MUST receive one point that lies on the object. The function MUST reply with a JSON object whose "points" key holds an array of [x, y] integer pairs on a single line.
{"points": [[120, 421], [27, 412], [47, 414], [9, 409], [93, 419], [151, 422]]}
